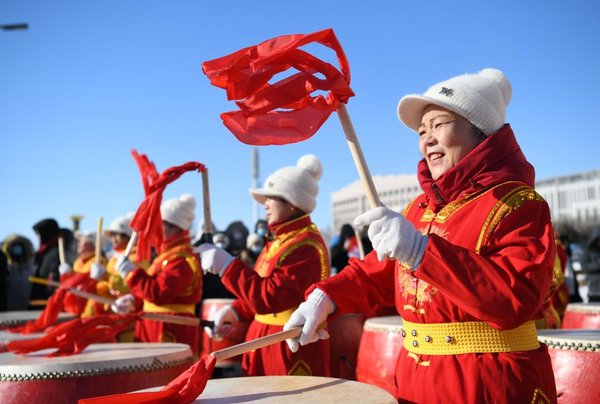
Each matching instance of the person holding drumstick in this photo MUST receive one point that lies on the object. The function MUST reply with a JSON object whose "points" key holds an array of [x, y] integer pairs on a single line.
{"points": [[172, 284], [295, 256], [468, 264]]}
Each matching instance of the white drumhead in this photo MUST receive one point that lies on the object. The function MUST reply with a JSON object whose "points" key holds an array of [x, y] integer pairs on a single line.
{"points": [[217, 301], [592, 308], [580, 340], [95, 359], [292, 390], [15, 318], [387, 324], [7, 336]]}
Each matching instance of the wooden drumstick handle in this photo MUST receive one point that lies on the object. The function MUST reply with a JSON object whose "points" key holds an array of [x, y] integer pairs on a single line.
{"points": [[208, 229], [61, 250], [248, 346], [43, 281], [361, 248], [99, 241], [359, 158], [130, 244]]}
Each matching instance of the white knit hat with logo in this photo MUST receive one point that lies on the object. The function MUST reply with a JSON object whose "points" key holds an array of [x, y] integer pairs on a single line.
{"points": [[121, 225], [179, 211], [481, 98], [296, 184]]}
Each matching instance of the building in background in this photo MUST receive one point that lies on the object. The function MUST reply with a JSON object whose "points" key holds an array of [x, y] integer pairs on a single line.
{"points": [[395, 192], [573, 199]]}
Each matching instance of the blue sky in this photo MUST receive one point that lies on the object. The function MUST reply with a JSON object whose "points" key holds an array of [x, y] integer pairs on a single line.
{"points": [[91, 80]]}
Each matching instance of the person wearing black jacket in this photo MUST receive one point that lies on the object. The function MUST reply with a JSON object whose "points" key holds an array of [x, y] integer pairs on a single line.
{"points": [[46, 260]]}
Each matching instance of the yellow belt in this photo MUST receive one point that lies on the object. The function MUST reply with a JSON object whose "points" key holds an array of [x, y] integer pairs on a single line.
{"points": [[169, 308], [467, 337], [275, 318]]}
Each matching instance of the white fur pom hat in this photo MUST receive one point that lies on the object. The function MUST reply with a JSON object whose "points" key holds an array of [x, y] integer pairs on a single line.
{"points": [[296, 184], [481, 98], [121, 225], [179, 211]]}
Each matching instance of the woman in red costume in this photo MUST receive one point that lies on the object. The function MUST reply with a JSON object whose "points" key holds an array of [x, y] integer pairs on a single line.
{"points": [[173, 282], [469, 262], [295, 257]]}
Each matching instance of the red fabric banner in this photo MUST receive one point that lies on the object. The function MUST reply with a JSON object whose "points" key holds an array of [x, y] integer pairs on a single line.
{"points": [[55, 305], [283, 112], [184, 389], [147, 221], [74, 336]]}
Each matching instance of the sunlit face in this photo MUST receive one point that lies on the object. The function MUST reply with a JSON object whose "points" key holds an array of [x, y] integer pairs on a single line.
{"points": [[118, 240], [445, 138], [85, 248], [278, 210]]}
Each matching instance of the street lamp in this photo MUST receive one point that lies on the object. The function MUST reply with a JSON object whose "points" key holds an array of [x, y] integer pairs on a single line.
{"points": [[14, 27]]}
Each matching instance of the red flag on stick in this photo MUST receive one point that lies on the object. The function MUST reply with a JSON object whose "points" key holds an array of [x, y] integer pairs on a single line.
{"points": [[147, 221], [245, 74], [260, 121]]}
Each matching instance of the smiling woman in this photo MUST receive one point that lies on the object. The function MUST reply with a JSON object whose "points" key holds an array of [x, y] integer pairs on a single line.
{"points": [[468, 264]]}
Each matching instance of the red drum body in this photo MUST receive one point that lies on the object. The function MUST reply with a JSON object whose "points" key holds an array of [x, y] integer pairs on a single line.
{"points": [[344, 336], [582, 315], [291, 390], [99, 370], [10, 319], [575, 355], [237, 335], [378, 352]]}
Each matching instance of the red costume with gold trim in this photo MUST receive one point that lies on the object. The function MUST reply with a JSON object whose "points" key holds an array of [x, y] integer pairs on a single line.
{"points": [[291, 261], [72, 303], [171, 285], [488, 264]]}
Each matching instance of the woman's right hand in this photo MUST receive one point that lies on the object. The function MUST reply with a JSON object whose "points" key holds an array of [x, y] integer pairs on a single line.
{"points": [[310, 315]]}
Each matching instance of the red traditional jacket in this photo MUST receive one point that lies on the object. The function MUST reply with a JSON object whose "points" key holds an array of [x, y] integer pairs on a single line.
{"points": [[172, 285], [487, 265], [293, 259], [72, 303]]}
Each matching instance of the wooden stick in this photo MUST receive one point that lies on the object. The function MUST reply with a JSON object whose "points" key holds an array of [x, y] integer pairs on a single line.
{"points": [[130, 244], [359, 158], [248, 346], [361, 248], [99, 241], [207, 228], [39, 302], [61, 250], [166, 318]]}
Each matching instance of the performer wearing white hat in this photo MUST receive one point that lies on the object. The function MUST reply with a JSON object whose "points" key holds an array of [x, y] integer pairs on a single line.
{"points": [[468, 264]]}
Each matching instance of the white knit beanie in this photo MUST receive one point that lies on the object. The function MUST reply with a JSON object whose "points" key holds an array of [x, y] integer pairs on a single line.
{"points": [[481, 98], [180, 211], [121, 225], [297, 184]]}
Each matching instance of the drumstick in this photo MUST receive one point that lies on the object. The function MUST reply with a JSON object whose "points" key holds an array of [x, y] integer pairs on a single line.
{"points": [[251, 345], [61, 250], [99, 241], [208, 229], [130, 244], [166, 318]]}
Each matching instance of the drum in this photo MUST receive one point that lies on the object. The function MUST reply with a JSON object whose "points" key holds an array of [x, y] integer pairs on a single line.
{"points": [[344, 337], [575, 355], [237, 335], [582, 315], [100, 369], [10, 319], [292, 390], [378, 352]]}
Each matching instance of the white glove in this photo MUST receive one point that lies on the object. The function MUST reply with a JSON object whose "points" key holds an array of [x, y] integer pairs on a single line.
{"points": [[393, 236], [224, 318], [97, 271], [65, 268], [124, 304], [213, 259], [310, 315], [123, 265]]}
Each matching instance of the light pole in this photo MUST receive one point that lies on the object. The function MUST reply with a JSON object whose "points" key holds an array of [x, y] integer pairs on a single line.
{"points": [[14, 27]]}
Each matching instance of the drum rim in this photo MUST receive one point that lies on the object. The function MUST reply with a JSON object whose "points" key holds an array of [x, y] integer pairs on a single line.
{"points": [[371, 325], [19, 317], [567, 340], [148, 363], [583, 308]]}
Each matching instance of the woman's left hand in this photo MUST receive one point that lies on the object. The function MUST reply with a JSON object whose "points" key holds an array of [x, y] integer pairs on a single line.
{"points": [[393, 236]]}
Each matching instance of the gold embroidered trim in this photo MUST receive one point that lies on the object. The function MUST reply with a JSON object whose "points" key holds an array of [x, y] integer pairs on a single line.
{"points": [[323, 259], [539, 397], [418, 360], [412, 308]]}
